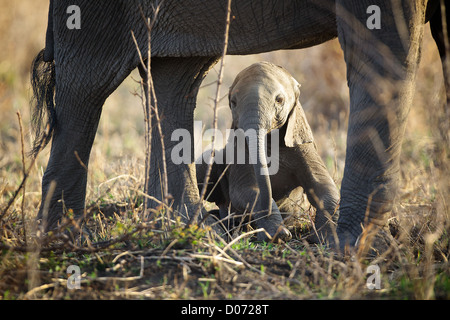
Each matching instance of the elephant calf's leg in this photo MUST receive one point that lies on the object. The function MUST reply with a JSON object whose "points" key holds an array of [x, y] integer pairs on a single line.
{"points": [[320, 189], [244, 200]]}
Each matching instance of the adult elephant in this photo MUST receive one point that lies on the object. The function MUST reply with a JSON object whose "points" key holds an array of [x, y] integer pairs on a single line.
{"points": [[86, 65]]}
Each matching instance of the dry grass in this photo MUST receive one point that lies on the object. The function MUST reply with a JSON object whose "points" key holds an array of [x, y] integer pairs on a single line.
{"points": [[130, 258]]}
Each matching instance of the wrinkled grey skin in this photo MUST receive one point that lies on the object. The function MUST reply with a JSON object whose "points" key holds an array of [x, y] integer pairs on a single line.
{"points": [[264, 97], [187, 39]]}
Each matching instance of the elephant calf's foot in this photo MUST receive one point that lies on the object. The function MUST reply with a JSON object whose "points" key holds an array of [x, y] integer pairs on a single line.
{"points": [[325, 235], [280, 233], [213, 221], [273, 225]]}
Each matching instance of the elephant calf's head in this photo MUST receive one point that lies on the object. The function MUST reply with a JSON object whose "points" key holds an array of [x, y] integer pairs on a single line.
{"points": [[266, 97]]}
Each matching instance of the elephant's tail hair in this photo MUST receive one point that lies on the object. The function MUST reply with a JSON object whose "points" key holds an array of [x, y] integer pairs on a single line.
{"points": [[42, 102]]}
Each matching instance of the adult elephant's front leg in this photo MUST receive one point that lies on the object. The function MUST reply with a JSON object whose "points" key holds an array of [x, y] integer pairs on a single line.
{"points": [[176, 82], [381, 68]]}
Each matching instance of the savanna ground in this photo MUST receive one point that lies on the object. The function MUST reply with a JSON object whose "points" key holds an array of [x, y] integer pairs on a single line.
{"points": [[130, 258]]}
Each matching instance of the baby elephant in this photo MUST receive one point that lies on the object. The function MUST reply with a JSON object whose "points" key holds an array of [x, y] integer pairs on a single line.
{"points": [[262, 98]]}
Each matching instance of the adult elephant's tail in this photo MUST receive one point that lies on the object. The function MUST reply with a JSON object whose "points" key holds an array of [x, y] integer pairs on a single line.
{"points": [[43, 106]]}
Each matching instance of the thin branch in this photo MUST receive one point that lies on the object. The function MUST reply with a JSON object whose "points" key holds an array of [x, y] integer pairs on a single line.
{"points": [[19, 116], [194, 218], [26, 174]]}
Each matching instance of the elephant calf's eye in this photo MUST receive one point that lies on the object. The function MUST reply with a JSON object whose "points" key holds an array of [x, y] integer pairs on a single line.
{"points": [[279, 99]]}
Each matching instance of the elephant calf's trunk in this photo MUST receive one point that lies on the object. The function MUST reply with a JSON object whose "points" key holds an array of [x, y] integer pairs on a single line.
{"points": [[257, 154]]}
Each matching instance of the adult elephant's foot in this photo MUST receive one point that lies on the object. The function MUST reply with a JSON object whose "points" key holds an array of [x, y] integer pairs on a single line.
{"points": [[48, 219], [348, 238], [347, 235], [371, 242], [55, 212], [70, 225]]}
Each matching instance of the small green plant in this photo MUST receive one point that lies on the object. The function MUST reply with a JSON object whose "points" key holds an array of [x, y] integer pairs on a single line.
{"points": [[190, 235], [204, 285]]}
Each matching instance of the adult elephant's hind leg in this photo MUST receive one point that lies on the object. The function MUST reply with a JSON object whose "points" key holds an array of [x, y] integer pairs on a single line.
{"points": [[442, 39], [78, 110], [176, 83], [381, 68]]}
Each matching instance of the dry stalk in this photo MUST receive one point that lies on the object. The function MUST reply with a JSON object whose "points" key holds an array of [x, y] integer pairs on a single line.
{"points": [[36, 248], [64, 244], [56, 281], [150, 104], [19, 116], [217, 258], [243, 236], [26, 174]]}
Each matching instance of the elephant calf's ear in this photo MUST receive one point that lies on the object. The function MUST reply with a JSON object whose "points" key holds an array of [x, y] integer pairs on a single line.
{"points": [[290, 128], [298, 131]]}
